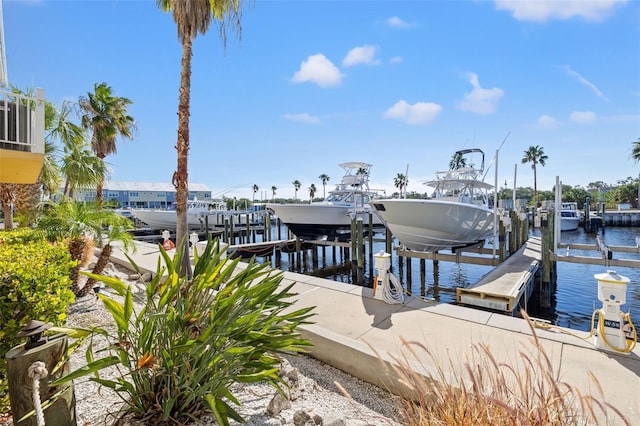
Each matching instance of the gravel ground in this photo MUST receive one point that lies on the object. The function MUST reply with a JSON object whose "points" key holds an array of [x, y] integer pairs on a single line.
{"points": [[316, 390]]}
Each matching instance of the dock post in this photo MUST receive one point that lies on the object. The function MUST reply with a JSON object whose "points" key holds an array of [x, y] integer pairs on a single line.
{"points": [[548, 279], [298, 254], [371, 245], [248, 229], [604, 207], [423, 276], [513, 234], [388, 248], [279, 225], [278, 255], [225, 234], [409, 278], [314, 257], [501, 241], [360, 241]]}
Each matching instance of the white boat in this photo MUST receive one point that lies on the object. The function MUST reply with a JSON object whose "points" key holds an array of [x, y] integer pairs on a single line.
{"points": [[331, 218], [569, 216], [199, 213], [456, 216]]}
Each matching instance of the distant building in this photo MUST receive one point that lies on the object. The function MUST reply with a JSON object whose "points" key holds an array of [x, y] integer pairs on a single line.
{"points": [[142, 194]]}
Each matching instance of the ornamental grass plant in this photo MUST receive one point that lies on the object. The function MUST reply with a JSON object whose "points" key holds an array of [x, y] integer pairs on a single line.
{"points": [[179, 353], [484, 391]]}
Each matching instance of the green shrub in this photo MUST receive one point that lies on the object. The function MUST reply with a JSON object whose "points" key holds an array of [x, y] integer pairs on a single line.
{"points": [[179, 353], [34, 284]]}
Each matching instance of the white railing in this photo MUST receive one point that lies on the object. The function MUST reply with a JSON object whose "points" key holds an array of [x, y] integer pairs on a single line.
{"points": [[22, 122]]}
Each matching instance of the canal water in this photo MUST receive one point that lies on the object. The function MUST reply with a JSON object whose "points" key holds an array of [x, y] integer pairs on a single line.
{"points": [[572, 303]]}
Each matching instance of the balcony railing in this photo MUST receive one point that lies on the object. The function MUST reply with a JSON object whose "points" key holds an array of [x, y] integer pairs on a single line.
{"points": [[22, 122]]}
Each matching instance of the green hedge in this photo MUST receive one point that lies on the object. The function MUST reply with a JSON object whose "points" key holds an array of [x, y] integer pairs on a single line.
{"points": [[34, 284]]}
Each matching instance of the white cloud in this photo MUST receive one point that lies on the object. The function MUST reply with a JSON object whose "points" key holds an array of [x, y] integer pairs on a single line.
{"points": [[396, 60], [544, 10], [547, 122], [396, 22], [584, 81], [361, 55], [302, 118], [479, 100], [319, 70], [418, 113], [582, 117]]}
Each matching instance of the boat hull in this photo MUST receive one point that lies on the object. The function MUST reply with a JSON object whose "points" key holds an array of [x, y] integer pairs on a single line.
{"points": [[569, 223], [431, 225], [166, 219], [322, 220]]}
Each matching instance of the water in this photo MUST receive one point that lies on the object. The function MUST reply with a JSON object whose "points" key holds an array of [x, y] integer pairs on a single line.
{"points": [[572, 304]]}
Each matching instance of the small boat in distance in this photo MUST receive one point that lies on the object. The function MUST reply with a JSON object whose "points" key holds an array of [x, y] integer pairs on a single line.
{"points": [[197, 211], [457, 215], [331, 218], [569, 216]]}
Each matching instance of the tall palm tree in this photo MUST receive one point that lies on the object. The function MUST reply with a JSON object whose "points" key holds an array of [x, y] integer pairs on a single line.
{"points": [[400, 182], [312, 192], [106, 116], [256, 188], [296, 186], [273, 191], [193, 18], [535, 155], [324, 178]]}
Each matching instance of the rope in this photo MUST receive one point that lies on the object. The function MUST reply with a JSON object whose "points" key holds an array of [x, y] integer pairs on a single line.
{"points": [[37, 371], [393, 292]]}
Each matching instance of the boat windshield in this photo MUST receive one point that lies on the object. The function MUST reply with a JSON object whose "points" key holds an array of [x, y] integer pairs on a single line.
{"points": [[349, 198]]}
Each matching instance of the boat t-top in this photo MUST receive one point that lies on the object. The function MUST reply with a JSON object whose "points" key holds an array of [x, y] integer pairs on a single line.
{"points": [[331, 218]]}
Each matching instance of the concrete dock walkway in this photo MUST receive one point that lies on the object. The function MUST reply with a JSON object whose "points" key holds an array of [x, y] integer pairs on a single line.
{"points": [[353, 331]]}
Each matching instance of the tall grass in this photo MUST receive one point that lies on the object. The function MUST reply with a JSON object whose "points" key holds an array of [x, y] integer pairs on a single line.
{"points": [[480, 390]]}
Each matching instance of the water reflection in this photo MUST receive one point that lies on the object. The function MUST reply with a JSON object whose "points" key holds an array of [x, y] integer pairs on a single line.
{"points": [[570, 304]]}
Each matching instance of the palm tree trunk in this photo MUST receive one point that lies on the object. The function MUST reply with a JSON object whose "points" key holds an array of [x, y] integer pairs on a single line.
{"points": [[181, 177], [103, 259], [535, 187], [76, 249]]}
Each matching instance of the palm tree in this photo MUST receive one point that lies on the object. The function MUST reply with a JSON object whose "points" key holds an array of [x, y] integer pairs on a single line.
{"points": [[312, 192], [81, 167], [296, 186], [106, 116], [324, 178], [635, 151], [535, 155], [193, 18], [273, 191], [117, 227], [78, 224], [256, 188], [400, 182], [457, 161]]}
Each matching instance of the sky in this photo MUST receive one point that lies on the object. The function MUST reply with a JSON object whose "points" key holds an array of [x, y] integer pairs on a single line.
{"points": [[401, 85]]}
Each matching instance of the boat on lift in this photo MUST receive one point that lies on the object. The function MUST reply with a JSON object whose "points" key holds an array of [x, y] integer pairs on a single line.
{"points": [[570, 216], [457, 214], [199, 213], [331, 218]]}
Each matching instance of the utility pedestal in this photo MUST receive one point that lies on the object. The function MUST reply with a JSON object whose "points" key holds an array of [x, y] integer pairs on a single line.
{"points": [[612, 292]]}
